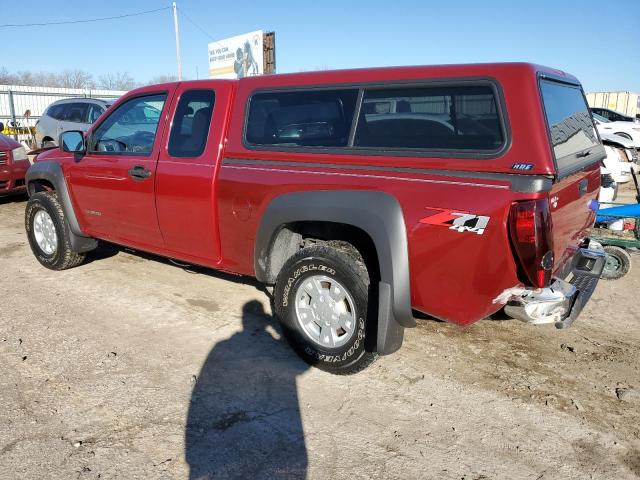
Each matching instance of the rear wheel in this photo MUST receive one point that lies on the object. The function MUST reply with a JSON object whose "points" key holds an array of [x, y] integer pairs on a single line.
{"points": [[48, 232], [617, 263], [322, 300]]}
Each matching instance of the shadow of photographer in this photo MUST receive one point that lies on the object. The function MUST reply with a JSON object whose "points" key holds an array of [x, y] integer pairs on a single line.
{"points": [[244, 415]]}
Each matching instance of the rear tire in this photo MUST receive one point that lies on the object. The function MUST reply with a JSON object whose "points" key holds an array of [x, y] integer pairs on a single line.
{"points": [[322, 300], [48, 232], [617, 263]]}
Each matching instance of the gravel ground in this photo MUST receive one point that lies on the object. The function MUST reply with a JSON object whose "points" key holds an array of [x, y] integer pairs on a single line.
{"points": [[131, 367]]}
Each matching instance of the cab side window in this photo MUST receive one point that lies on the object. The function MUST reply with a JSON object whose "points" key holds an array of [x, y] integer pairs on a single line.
{"points": [[131, 128], [190, 127]]}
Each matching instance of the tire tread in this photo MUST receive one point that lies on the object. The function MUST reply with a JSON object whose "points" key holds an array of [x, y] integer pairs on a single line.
{"points": [[68, 258]]}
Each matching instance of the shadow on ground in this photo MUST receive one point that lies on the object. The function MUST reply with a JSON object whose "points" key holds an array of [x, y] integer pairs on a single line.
{"points": [[244, 416], [17, 198]]}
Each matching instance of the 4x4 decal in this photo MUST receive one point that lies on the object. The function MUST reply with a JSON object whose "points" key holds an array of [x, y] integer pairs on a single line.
{"points": [[456, 220]]}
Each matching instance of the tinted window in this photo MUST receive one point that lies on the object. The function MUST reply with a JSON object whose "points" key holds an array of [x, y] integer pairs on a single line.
{"points": [[444, 118], [319, 118], [191, 122], [75, 112], [570, 125], [130, 128], [56, 111]]}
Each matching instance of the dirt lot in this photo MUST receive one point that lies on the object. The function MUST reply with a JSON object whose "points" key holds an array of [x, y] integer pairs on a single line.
{"points": [[131, 367]]}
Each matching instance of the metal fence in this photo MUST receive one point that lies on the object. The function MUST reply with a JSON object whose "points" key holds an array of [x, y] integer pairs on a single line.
{"points": [[21, 106]]}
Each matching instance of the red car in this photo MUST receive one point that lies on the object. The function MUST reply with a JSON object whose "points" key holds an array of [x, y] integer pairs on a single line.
{"points": [[360, 195], [14, 164]]}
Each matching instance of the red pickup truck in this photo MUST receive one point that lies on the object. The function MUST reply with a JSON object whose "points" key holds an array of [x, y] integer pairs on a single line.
{"points": [[360, 195]]}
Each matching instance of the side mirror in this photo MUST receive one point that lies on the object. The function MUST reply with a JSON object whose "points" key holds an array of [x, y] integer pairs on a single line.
{"points": [[1, 127], [72, 141]]}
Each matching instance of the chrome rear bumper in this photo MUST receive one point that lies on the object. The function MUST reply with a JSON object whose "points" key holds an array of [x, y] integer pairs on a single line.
{"points": [[564, 299]]}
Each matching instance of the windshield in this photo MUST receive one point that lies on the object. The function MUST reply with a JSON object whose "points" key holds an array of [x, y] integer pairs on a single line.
{"points": [[600, 118], [571, 128]]}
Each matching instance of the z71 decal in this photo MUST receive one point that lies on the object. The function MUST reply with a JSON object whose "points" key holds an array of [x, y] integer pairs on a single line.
{"points": [[456, 220]]}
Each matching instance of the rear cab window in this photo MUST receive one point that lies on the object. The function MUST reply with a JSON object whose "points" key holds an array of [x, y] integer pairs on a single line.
{"points": [[572, 133]]}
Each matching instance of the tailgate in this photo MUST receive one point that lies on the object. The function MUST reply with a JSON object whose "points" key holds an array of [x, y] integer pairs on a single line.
{"points": [[577, 152], [570, 213]]}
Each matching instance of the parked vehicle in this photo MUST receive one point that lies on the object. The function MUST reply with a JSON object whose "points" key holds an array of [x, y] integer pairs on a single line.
{"points": [[360, 195], [14, 164], [624, 146], [620, 170], [627, 103], [628, 130], [65, 115], [613, 116], [618, 229]]}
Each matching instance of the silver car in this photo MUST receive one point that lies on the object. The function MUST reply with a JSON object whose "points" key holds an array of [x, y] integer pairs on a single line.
{"points": [[65, 115]]}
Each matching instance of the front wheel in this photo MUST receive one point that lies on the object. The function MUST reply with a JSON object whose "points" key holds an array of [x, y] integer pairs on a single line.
{"points": [[322, 299], [617, 263], [48, 232]]}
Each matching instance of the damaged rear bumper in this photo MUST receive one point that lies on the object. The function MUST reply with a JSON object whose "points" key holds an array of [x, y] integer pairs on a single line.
{"points": [[564, 299]]}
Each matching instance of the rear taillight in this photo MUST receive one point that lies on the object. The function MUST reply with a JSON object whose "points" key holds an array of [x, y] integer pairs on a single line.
{"points": [[530, 228]]}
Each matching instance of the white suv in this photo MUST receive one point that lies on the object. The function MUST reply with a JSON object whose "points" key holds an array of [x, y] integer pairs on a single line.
{"points": [[68, 114]]}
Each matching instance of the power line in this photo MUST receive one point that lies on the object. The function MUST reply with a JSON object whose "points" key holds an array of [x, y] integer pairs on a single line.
{"points": [[195, 24], [82, 21]]}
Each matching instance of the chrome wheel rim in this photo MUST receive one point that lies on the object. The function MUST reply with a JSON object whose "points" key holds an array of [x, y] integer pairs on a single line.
{"points": [[325, 311], [45, 232]]}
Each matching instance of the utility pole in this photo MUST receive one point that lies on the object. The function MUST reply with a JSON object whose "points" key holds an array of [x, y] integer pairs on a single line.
{"points": [[175, 27]]}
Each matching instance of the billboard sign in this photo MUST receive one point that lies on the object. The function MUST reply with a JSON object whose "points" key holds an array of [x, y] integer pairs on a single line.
{"points": [[237, 57]]}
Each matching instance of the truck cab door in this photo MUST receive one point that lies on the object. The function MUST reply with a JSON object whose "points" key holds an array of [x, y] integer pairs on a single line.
{"points": [[112, 185], [187, 169]]}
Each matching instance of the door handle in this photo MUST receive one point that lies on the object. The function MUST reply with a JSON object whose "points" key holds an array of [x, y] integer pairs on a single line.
{"points": [[139, 172]]}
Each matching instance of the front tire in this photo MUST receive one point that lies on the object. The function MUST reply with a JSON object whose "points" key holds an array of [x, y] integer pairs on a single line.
{"points": [[48, 232], [322, 300], [617, 263]]}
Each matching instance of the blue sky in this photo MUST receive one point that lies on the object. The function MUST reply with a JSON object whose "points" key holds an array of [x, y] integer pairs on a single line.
{"points": [[597, 41]]}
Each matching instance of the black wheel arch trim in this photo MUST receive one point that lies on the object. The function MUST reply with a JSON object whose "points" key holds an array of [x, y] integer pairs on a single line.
{"points": [[52, 173], [376, 213]]}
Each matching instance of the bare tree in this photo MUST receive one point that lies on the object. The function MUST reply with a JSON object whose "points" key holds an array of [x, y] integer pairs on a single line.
{"points": [[42, 79], [166, 78], [116, 81], [6, 77], [76, 79]]}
